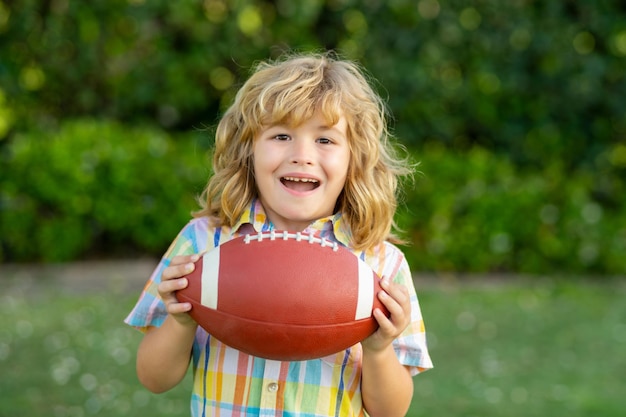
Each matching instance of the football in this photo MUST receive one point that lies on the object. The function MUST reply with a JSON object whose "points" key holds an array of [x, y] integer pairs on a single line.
{"points": [[284, 296]]}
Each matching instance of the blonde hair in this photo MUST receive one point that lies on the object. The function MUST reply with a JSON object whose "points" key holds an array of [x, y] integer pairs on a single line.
{"points": [[289, 91]]}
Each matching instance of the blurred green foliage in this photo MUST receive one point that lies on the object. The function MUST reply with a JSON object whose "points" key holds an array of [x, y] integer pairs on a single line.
{"points": [[515, 109], [475, 211], [96, 188], [534, 80], [537, 81]]}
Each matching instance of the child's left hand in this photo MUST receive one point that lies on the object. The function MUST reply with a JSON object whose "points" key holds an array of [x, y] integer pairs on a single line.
{"points": [[396, 298]]}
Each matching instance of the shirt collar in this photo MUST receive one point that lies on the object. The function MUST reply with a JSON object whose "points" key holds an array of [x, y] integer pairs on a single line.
{"points": [[331, 227], [254, 216]]}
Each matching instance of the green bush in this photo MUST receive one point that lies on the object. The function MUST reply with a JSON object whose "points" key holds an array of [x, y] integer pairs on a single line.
{"points": [[166, 62], [99, 188], [476, 212], [96, 188], [536, 81], [531, 95]]}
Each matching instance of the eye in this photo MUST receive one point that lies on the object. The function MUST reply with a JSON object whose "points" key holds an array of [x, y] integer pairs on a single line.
{"points": [[324, 141], [282, 137]]}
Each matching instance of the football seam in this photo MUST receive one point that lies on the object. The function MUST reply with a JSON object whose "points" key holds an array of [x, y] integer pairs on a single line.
{"points": [[298, 237], [186, 298], [296, 325]]}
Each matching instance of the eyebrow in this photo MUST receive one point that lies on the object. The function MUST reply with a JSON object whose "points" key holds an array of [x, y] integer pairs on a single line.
{"points": [[324, 127], [332, 128]]}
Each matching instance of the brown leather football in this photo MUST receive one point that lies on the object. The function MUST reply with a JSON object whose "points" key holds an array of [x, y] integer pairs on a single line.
{"points": [[284, 296]]}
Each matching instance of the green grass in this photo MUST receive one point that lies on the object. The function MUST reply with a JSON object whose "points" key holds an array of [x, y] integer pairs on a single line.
{"points": [[525, 349], [73, 356], [535, 348]]}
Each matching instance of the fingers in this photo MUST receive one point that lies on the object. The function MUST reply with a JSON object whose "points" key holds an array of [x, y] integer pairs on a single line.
{"points": [[178, 308], [396, 299], [173, 279], [179, 266], [167, 287], [181, 259]]}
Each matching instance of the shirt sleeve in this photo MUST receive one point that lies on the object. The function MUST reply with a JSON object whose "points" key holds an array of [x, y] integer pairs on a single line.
{"points": [[150, 310], [410, 346]]}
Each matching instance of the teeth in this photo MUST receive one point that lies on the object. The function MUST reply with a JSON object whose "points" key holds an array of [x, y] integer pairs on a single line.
{"points": [[296, 179]]}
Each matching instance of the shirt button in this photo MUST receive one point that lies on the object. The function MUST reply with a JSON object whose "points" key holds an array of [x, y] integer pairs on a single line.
{"points": [[272, 387]]}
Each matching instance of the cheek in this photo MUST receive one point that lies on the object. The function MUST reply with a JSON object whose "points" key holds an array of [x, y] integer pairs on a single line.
{"points": [[259, 159], [341, 165], [257, 168], [265, 155], [338, 174], [264, 163]]}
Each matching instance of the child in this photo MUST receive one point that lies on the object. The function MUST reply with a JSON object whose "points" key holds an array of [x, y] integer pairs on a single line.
{"points": [[304, 147]]}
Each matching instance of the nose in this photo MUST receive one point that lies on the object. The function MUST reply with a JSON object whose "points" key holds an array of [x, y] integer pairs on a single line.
{"points": [[302, 152]]}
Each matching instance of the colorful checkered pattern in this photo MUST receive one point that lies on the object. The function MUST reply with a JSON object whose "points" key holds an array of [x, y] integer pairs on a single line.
{"points": [[230, 383]]}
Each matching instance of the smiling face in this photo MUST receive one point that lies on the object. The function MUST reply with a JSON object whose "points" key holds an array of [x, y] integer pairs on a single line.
{"points": [[301, 170]]}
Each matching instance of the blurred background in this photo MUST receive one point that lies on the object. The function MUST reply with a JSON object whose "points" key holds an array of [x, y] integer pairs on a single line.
{"points": [[515, 111]]}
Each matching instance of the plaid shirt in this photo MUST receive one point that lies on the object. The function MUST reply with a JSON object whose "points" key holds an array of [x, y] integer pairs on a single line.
{"points": [[228, 382]]}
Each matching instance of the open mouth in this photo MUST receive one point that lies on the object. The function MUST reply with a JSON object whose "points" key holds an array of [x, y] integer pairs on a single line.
{"points": [[300, 184]]}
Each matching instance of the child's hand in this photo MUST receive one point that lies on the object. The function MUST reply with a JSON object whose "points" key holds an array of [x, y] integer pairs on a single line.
{"points": [[171, 282], [396, 298]]}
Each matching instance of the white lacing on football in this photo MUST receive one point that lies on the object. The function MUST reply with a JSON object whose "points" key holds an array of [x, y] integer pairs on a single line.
{"points": [[299, 237]]}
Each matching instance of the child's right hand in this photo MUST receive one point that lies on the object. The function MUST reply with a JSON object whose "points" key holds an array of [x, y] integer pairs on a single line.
{"points": [[171, 282]]}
